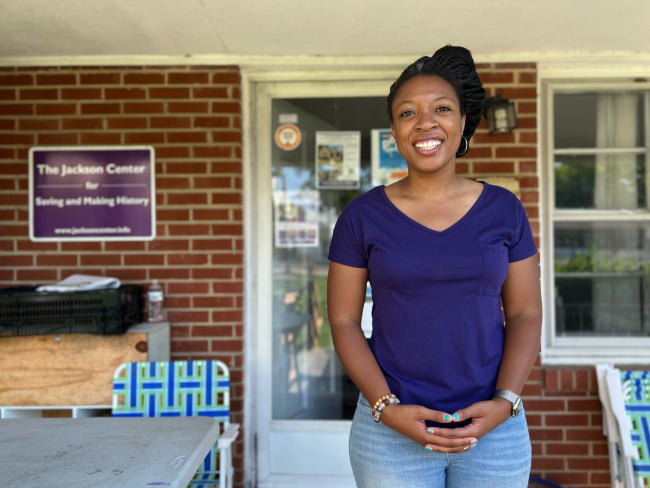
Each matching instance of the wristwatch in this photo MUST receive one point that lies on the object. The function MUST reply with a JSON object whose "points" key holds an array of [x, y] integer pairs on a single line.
{"points": [[511, 397]]}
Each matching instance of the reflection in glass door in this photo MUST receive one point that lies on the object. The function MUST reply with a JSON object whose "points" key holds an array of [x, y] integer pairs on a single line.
{"points": [[309, 381]]}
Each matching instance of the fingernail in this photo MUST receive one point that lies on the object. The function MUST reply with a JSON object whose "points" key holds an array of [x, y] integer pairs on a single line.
{"points": [[429, 448], [456, 417], [473, 442], [447, 418], [473, 445], [430, 431]]}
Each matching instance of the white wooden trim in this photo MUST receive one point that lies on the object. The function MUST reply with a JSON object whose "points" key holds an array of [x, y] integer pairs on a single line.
{"points": [[600, 150]]}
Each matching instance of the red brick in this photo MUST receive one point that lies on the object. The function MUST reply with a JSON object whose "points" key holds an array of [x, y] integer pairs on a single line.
{"points": [[172, 152], [187, 198], [530, 197], [171, 122], [600, 478], [57, 79], [81, 93], [212, 151], [599, 449], [567, 478], [6, 124], [14, 139], [39, 94], [189, 346], [212, 273], [18, 260], [194, 316], [187, 137], [233, 168], [169, 245], [527, 122], [178, 330], [100, 108], [585, 405], [101, 260], [479, 152], [101, 138], [225, 78], [226, 136], [227, 287], [127, 123], [516, 152], [567, 449], [226, 198], [590, 463], [62, 139], [169, 93], [532, 389], [547, 463], [177, 302], [7, 275], [188, 78], [82, 124], [210, 92], [13, 230], [582, 379], [225, 107], [169, 274], [172, 214], [566, 420], [56, 260], [187, 259], [56, 109], [210, 214], [545, 434], [236, 93], [528, 137], [132, 274], [124, 246], [186, 168], [544, 405], [16, 109], [494, 167], [13, 199], [227, 316], [7, 214], [211, 122], [527, 77], [99, 78], [187, 107], [125, 93], [212, 331], [144, 108], [187, 288], [81, 246], [172, 183], [566, 379], [496, 77], [143, 259], [227, 258], [6, 153], [41, 275], [213, 302], [527, 108], [515, 66], [143, 78], [225, 345], [584, 435], [214, 182], [16, 80], [144, 138], [211, 245], [485, 138], [189, 229]]}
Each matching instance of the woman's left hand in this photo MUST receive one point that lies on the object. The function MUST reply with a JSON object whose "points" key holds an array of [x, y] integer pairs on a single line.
{"points": [[486, 416]]}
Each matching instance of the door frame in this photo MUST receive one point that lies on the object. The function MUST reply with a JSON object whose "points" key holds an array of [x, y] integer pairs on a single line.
{"points": [[258, 91]]}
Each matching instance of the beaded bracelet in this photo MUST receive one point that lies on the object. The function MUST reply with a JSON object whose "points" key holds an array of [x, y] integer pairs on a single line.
{"points": [[380, 404]]}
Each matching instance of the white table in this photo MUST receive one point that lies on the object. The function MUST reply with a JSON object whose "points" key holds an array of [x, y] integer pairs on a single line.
{"points": [[103, 452]]}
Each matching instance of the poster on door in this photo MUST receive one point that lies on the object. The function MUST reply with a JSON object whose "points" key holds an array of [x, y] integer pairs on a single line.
{"points": [[338, 159], [296, 218], [387, 164], [92, 193]]}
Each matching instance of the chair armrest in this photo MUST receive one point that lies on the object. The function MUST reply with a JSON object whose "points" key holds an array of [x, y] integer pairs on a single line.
{"points": [[228, 436], [613, 379]]}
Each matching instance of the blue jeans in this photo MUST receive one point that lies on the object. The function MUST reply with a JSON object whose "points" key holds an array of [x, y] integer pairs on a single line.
{"points": [[384, 458]]}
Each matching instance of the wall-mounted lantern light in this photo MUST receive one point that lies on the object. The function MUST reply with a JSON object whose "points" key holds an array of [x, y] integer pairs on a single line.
{"points": [[500, 114]]}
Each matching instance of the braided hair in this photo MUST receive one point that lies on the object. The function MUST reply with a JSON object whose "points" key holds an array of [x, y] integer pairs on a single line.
{"points": [[455, 65]]}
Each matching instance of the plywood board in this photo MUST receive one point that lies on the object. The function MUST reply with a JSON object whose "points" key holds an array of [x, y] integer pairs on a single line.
{"points": [[73, 369]]}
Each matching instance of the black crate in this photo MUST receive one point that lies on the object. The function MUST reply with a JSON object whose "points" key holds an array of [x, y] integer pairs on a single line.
{"points": [[24, 311]]}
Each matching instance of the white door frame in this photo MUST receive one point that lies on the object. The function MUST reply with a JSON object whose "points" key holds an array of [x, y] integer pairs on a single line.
{"points": [[258, 90]]}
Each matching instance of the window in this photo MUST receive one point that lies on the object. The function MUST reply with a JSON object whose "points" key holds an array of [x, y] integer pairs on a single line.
{"points": [[597, 192]]}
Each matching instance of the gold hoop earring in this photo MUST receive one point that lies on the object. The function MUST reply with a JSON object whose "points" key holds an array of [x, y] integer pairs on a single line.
{"points": [[466, 147]]}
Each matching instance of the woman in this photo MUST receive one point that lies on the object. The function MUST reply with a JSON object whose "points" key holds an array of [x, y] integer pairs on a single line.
{"points": [[441, 253]]}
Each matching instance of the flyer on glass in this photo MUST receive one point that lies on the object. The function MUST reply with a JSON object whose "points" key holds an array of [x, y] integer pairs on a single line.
{"points": [[338, 159], [388, 165], [296, 218]]}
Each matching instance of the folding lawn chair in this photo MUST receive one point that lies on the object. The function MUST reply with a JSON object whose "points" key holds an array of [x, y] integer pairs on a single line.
{"points": [[182, 389]]}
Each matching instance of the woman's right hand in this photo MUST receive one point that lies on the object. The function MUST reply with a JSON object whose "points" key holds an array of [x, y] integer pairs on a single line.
{"points": [[409, 420]]}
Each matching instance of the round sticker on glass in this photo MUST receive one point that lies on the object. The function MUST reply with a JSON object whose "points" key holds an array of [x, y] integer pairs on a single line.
{"points": [[288, 137]]}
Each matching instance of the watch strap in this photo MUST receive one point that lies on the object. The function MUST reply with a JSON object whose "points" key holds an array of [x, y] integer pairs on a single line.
{"points": [[511, 397]]}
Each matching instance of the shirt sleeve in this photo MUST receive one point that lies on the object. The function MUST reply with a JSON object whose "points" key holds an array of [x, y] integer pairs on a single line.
{"points": [[523, 244], [347, 240]]}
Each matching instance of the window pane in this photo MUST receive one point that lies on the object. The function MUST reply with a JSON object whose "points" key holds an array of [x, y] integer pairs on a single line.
{"points": [[603, 120], [602, 278], [603, 181]]}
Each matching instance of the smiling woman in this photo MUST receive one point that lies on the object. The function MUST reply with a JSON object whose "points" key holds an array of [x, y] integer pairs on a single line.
{"points": [[441, 253]]}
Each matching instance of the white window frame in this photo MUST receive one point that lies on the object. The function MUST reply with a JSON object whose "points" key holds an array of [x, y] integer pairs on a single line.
{"points": [[568, 351]]}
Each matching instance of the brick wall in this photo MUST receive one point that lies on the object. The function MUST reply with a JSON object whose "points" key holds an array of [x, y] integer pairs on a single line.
{"points": [[191, 116]]}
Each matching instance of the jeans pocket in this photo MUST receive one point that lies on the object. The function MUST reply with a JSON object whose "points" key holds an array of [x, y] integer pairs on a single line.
{"points": [[495, 270]]}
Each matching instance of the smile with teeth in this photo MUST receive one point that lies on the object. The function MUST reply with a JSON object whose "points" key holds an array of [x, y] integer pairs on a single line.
{"points": [[427, 144]]}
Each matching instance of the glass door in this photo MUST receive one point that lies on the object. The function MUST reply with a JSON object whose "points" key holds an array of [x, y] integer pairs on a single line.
{"points": [[319, 159]]}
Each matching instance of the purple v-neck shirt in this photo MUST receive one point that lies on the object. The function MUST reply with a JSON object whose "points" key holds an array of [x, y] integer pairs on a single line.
{"points": [[438, 329]]}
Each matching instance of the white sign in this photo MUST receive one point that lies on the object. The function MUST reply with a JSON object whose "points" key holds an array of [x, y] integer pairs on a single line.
{"points": [[388, 165], [288, 119], [296, 218], [338, 159]]}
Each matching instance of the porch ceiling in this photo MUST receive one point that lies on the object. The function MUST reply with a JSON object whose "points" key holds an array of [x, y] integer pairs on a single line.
{"points": [[319, 27]]}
